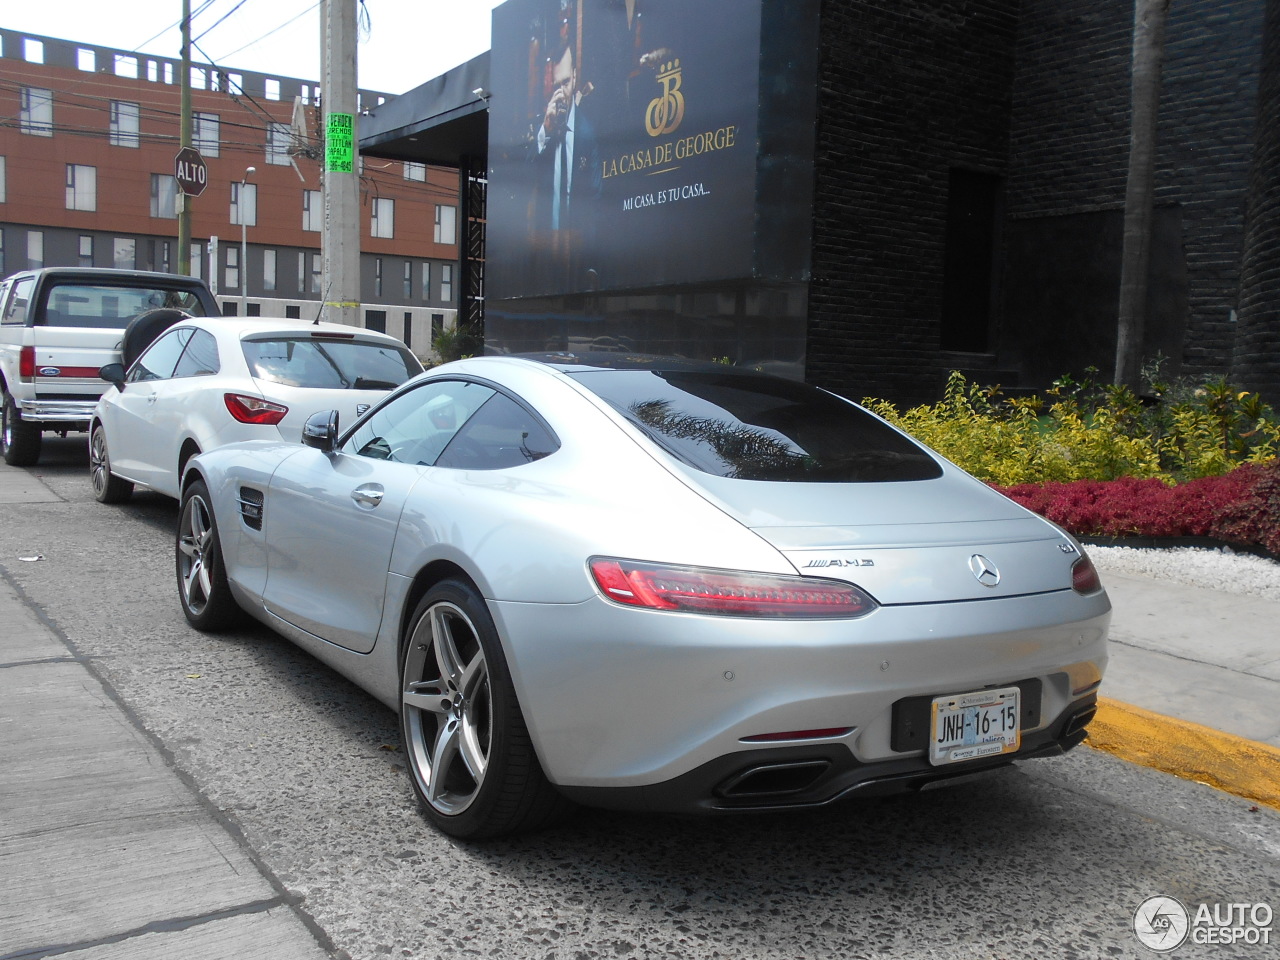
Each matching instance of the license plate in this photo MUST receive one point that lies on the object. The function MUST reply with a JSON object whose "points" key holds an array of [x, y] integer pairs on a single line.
{"points": [[966, 726]]}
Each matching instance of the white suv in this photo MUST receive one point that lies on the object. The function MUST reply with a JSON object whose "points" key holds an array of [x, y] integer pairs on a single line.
{"points": [[59, 325]]}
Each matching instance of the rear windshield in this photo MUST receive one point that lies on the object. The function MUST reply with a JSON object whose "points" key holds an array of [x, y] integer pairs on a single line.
{"points": [[111, 306], [760, 428], [330, 363]]}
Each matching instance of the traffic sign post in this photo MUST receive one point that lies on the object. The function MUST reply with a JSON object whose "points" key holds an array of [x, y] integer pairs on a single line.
{"points": [[190, 171]]}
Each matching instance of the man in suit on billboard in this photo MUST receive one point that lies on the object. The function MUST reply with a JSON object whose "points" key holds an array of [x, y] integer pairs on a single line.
{"points": [[567, 153]]}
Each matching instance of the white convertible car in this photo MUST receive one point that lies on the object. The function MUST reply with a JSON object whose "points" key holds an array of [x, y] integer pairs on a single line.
{"points": [[651, 584]]}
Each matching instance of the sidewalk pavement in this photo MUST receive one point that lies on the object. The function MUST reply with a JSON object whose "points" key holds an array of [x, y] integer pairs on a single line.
{"points": [[107, 852], [1193, 686]]}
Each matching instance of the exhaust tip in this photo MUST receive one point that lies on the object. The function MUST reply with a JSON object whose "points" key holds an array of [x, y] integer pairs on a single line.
{"points": [[773, 780]]}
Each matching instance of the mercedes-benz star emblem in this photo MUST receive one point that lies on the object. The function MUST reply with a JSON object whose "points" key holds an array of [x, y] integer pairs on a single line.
{"points": [[984, 570]]}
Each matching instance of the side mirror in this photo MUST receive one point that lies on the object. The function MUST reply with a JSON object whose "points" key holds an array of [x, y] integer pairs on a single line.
{"points": [[113, 373], [321, 431]]}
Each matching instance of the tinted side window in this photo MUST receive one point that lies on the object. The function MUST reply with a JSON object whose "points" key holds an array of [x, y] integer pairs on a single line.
{"points": [[200, 359], [500, 434], [161, 357], [416, 426]]}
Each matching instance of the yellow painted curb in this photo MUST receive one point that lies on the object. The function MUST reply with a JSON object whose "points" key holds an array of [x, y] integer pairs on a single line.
{"points": [[1243, 767]]}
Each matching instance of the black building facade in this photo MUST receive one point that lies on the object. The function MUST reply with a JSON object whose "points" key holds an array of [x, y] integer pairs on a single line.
{"points": [[885, 191]]}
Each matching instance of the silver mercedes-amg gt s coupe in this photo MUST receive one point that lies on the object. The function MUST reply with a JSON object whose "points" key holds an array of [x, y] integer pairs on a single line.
{"points": [[651, 584]]}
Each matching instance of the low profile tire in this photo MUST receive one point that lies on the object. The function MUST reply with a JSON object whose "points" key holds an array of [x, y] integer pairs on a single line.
{"points": [[107, 487], [202, 578], [469, 754], [143, 330], [19, 440]]}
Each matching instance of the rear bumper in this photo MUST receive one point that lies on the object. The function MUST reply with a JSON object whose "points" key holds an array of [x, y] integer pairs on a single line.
{"points": [[68, 413], [801, 777]]}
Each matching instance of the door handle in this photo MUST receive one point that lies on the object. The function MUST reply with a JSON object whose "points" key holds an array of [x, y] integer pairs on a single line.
{"points": [[152, 398], [368, 494]]}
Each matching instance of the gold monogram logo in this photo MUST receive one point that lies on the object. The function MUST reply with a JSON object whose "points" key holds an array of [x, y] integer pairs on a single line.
{"points": [[666, 110]]}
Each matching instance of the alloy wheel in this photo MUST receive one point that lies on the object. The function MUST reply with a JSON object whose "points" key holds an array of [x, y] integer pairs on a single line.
{"points": [[194, 539], [448, 708]]}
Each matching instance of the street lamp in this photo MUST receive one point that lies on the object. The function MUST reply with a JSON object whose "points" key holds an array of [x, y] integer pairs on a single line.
{"points": [[244, 244]]}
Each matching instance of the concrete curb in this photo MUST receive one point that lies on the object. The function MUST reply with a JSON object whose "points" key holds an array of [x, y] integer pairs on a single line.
{"points": [[1242, 767]]}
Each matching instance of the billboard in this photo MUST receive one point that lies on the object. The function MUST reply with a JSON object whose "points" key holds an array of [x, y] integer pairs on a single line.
{"points": [[622, 144]]}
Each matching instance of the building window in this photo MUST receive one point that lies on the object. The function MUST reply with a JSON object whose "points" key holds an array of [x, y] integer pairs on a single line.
{"points": [[32, 50], [271, 88], [244, 203], [415, 171], [164, 196], [383, 219], [160, 254], [426, 281], [446, 224], [969, 260], [82, 187], [408, 280], [437, 326], [315, 272], [446, 282], [278, 143], [2, 194], [312, 210], [302, 273], [86, 250], [124, 124], [197, 260], [35, 112], [124, 253], [3, 270], [268, 269], [35, 249], [233, 267], [204, 133], [377, 276], [86, 60], [408, 329]]}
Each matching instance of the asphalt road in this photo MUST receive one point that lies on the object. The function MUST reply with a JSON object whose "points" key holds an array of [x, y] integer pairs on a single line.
{"points": [[1047, 860]]}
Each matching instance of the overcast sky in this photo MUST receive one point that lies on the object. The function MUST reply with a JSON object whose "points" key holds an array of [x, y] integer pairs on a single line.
{"points": [[407, 43]]}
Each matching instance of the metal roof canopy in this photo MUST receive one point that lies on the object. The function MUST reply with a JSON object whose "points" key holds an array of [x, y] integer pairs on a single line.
{"points": [[438, 122]]}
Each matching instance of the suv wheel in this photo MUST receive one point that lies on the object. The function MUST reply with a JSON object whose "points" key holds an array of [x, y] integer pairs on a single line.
{"points": [[19, 440]]}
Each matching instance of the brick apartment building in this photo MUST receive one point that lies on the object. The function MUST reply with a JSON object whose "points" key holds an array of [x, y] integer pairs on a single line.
{"points": [[87, 143]]}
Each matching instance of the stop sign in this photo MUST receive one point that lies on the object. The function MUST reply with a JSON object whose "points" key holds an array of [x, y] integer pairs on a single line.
{"points": [[190, 171]]}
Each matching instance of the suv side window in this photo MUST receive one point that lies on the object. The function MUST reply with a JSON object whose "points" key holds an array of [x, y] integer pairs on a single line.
{"points": [[161, 357], [15, 311]]}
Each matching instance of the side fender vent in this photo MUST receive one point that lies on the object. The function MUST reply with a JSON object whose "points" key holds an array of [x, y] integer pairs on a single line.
{"points": [[251, 502]]}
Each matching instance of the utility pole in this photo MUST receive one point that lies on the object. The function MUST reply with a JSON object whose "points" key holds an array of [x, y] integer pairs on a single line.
{"points": [[340, 240], [184, 134]]}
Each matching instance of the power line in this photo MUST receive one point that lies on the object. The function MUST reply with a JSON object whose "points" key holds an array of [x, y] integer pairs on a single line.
{"points": [[274, 30], [177, 23]]}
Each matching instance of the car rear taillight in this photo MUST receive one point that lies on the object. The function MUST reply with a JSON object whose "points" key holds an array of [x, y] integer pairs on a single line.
{"points": [[248, 409], [1084, 576], [727, 593], [27, 363]]}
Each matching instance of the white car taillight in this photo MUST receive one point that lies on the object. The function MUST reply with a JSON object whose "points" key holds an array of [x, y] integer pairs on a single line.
{"points": [[248, 409]]}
